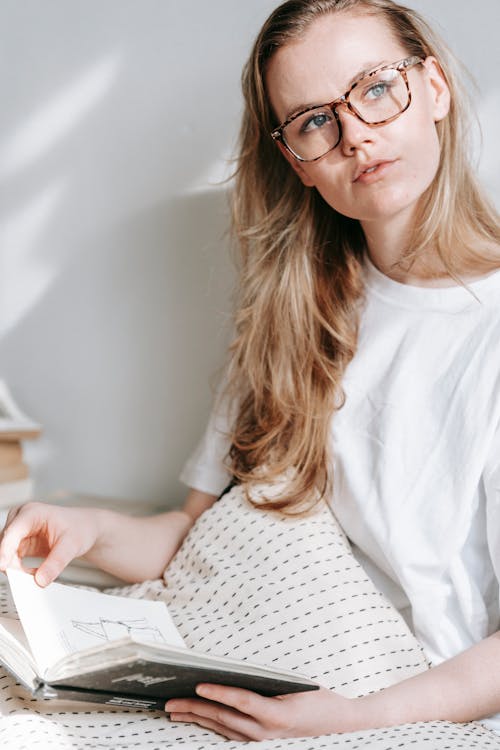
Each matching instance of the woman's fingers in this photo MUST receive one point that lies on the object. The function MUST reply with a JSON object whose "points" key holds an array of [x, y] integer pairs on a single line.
{"points": [[58, 558], [20, 526], [13, 512], [244, 701], [34, 530], [217, 713], [10, 517], [209, 724]]}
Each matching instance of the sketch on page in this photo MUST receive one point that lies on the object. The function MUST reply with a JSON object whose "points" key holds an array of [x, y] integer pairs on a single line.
{"points": [[110, 630], [60, 620]]}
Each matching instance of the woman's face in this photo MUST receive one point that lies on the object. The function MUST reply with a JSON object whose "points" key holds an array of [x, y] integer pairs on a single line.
{"points": [[320, 67]]}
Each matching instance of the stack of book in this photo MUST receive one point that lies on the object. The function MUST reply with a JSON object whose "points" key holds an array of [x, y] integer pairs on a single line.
{"points": [[16, 485]]}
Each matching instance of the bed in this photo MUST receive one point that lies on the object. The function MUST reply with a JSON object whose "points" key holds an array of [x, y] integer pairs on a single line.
{"points": [[259, 586]]}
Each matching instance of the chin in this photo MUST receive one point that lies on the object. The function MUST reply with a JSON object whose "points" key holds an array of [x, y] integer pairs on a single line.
{"points": [[388, 204], [379, 203]]}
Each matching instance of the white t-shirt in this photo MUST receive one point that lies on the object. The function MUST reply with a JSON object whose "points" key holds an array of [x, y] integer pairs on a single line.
{"points": [[416, 456]]}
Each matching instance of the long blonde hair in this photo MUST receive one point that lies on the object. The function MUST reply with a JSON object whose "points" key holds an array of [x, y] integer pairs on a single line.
{"points": [[301, 289]]}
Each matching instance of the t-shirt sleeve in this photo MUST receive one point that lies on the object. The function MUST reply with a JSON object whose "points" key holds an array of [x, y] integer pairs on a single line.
{"points": [[205, 469]]}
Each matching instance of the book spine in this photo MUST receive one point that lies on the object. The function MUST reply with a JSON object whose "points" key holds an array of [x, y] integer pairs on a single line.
{"points": [[13, 473], [10, 453], [59, 692]]}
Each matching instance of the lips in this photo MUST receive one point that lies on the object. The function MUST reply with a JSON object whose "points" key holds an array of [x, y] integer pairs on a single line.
{"points": [[372, 170]]}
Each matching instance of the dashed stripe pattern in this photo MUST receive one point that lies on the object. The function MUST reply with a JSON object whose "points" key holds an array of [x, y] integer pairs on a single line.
{"points": [[287, 591], [259, 586]]}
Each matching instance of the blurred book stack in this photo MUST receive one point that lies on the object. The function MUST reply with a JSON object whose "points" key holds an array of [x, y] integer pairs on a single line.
{"points": [[16, 485]]}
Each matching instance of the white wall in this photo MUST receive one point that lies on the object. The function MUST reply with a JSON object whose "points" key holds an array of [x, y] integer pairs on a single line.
{"points": [[117, 121]]}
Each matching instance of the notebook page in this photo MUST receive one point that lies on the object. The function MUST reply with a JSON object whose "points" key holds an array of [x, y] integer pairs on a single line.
{"points": [[60, 620]]}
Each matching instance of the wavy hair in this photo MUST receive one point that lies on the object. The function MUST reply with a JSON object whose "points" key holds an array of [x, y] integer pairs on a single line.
{"points": [[300, 289]]}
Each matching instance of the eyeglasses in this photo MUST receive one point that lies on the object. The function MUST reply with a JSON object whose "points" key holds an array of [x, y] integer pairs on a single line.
{"points": [[377, 98]]}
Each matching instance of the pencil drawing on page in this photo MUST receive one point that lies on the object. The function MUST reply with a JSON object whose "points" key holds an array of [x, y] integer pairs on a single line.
{"points": [[110, 630]]}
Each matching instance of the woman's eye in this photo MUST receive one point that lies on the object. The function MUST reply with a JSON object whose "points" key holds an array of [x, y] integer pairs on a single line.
{"points": [[316, 121], [377, 90]]}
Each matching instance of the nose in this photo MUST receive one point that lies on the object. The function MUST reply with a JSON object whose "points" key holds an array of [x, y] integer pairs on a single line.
{"points": [[354, 132]]}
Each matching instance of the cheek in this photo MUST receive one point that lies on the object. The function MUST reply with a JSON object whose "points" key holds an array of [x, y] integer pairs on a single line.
{"points": [[333, 182], [421, 138], [413, 141], [424, 158]]}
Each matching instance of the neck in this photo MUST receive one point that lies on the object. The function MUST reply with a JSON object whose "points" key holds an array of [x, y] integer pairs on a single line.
{"points": [[388, 242]]}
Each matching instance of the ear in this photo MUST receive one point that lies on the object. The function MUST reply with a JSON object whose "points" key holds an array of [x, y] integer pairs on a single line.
{"points": [[439, 89], [297, 166]]}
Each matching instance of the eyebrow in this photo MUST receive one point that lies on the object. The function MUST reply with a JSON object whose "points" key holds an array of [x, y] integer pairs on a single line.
{"points": [[367, 68]]}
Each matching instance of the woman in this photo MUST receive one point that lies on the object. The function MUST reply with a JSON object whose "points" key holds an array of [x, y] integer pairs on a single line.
{"points": [[366, 358], [416, 446]]}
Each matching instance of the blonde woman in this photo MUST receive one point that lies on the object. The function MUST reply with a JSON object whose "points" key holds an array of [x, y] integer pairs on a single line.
{"points": [[366, 363]]}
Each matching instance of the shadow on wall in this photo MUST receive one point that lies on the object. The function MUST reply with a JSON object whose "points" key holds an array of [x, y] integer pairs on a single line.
{"points": [[114, 281], [125, 341]]}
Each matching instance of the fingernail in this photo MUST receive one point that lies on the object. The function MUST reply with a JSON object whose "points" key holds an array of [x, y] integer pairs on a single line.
{"points": [[41, 579]]}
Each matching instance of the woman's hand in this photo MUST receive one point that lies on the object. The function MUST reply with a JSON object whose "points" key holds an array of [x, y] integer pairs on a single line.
{"points": [[48, 531], [243, 715], [131, 548], [461, 689]]}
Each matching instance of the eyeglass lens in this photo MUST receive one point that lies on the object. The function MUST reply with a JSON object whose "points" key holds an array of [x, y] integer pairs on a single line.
{"points": [[375, 99]]}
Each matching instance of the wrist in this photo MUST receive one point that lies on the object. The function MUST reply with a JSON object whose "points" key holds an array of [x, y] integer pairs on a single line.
{"points": [[102, 531], [377, 710], [355, 715], [366, 713], [401, 703]]}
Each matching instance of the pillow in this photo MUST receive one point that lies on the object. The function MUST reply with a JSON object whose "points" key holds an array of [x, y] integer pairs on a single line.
{"points": [[287, 591]]}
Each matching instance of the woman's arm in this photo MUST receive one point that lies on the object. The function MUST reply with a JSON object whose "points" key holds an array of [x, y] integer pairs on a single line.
{"points": [[131, 548], [137, 549], [462, 689]]}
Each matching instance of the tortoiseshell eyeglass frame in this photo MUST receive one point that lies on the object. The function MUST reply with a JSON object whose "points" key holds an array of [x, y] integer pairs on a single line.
{"points": [[402, 66]]}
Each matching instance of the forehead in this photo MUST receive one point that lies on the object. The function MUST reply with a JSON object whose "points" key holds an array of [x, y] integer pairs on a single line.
{"points": [[322, 64]]}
